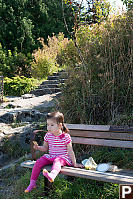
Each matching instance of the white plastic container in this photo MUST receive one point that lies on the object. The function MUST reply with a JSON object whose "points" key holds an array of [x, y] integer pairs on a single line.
{"points": [[89, 164], [106, 167]]}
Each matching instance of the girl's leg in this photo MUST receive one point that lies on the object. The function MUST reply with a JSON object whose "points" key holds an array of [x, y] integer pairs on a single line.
{"points": [[57, 163], [36, 171], [41, 162]]}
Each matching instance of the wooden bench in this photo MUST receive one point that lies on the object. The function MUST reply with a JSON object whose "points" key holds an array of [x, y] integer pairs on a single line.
{"points": [[98, 135]]}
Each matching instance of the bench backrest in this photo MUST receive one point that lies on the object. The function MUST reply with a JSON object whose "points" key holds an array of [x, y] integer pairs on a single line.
{"points": [[101, 135]]}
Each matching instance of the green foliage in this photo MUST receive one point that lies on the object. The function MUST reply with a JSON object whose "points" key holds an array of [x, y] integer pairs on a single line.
{"points": [[16, 26], [18, 85], [128, 3], [102, 10], [14, 63], [46, 58], [24, 21], [89, 12], [99, 87]]}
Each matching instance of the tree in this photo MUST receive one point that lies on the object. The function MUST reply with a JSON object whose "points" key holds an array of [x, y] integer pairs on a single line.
{"points": [[89, 11], [22, 22], [95, 12], [128, 3], [16, 28]]}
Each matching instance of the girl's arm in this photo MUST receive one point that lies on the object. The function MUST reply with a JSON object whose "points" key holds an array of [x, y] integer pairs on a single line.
{"points": [[43, 148], [72, 156]]}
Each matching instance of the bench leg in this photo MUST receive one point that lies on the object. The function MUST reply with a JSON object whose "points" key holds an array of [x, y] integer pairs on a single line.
{"points": [[47, 186]]}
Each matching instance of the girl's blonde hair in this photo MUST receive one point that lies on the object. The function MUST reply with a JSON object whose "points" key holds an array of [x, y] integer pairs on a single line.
{"points": [[59, 117]]}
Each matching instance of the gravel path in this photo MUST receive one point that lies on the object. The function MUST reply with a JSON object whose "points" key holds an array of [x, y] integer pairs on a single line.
{"points": [[27, 101]]}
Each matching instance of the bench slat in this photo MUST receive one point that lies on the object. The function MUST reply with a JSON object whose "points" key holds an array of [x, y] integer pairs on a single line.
{"points": [[103, 142], [99, 127], [95, 175], [88, 127], [121, 128], [89, 174], [98, 134]]}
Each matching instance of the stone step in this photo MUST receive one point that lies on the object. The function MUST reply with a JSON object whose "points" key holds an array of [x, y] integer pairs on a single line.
{"points": [[48, 86], [56, 77], [53, 81], [51, 85], [43, 86], [39, 92], [52, 77], [61, 74], [50, 82], [58, 94]]}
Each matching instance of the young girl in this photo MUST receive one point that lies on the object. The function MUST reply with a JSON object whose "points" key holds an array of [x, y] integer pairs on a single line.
{"points": [[59, 143]]}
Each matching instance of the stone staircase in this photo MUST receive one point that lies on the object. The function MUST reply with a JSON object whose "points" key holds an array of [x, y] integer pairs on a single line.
{"points": [[52, 85]]}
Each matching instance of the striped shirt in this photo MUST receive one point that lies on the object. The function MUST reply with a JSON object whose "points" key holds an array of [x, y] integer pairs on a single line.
{"points": [[58, 146]]}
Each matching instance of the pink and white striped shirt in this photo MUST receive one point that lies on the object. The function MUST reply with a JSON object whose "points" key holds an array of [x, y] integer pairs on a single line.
{"points": [[58, 146]]}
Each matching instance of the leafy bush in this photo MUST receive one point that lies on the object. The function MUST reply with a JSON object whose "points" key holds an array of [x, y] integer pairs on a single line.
{"points": [[19, 85], [45, 62], [14, 63], [99, 87]]}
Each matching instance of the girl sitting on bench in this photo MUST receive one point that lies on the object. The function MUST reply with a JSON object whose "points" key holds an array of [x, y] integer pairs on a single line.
{"points": [[58, 141]]}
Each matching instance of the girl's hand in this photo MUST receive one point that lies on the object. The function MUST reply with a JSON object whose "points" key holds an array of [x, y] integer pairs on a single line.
{"points": [[35, 145], [78, 165]]}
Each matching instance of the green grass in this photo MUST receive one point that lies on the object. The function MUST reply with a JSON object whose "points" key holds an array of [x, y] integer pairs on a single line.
{"points": [[75, 188]]}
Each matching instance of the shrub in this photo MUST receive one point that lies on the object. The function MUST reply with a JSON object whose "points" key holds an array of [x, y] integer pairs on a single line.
{"points": [[45, 59], [18, 86], [14, 63]]}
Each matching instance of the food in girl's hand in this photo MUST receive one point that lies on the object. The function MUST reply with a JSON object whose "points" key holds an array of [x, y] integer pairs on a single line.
{"points": [[35, 143]]}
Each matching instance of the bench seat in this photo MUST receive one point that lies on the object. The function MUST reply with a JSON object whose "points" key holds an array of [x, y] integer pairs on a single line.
{"points": [[119, 177]]}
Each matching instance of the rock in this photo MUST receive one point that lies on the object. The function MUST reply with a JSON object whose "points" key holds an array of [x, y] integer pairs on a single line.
{"points": [[8, 117], [23, 136], [27, 96], [22, 116], [20, 135], [5, 130]]}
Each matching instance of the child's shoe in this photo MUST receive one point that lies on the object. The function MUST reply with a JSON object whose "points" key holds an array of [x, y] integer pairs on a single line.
{"points": [[48, 175], [31, 186]]}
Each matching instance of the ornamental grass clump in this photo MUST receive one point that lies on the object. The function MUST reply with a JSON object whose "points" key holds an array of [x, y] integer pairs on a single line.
{"points": [[100, 85]]}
